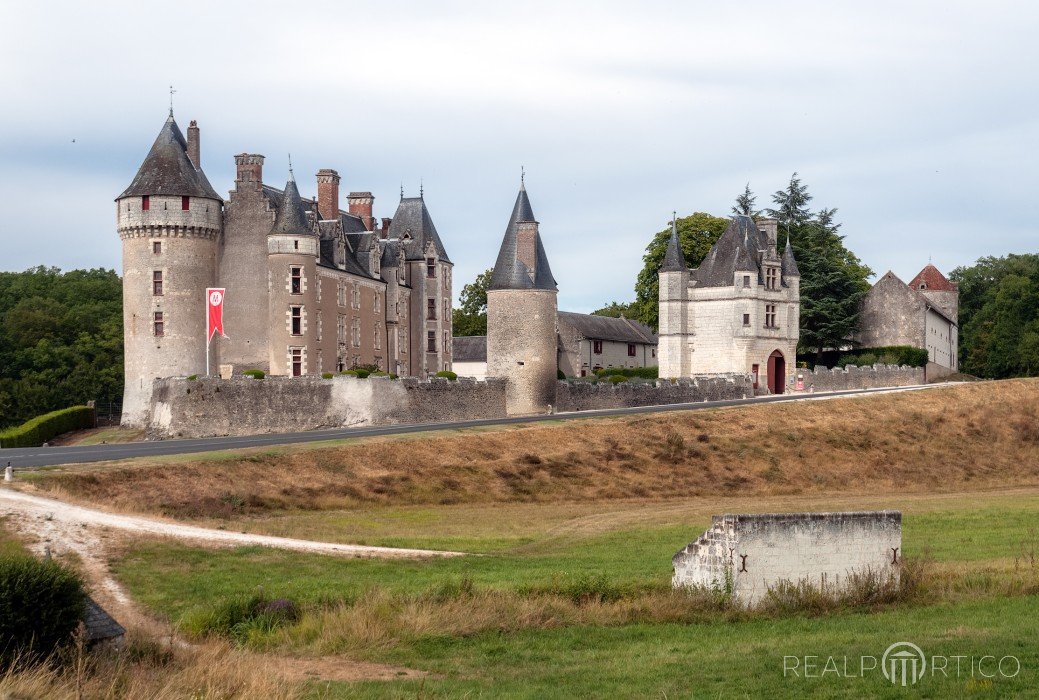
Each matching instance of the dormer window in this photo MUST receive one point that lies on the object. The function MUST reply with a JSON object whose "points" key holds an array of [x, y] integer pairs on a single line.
{"points": [[746, 281], [431, 267], [923, 285]]}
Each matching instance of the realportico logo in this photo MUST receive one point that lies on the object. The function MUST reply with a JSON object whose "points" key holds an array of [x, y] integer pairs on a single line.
{"points": [[903, 664]]}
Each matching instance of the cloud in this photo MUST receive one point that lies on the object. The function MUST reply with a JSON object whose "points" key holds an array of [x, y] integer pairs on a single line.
{"points": [[913, 119]]}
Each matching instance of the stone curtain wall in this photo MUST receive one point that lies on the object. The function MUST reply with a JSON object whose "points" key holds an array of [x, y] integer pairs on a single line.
{"points": [[852, 377], [752, 553], [244, 406], [585, 396]]}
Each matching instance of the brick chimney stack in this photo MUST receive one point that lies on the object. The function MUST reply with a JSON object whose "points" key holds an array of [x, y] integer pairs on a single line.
{"points": [[361, 205], [526, 244], [194, 154], [328, 194], [385, 230], [249, 167]]}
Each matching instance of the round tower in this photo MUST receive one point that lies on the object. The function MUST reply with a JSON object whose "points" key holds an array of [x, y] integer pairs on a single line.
{"points": [[169, 220], [521, 317], [673, 335]]}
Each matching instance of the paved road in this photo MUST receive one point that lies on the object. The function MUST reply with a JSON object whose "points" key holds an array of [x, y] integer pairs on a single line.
{"points": [[35, 457]]}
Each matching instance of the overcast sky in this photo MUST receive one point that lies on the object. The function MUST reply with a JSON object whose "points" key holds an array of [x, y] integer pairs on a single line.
{"points": [[918, 121]]}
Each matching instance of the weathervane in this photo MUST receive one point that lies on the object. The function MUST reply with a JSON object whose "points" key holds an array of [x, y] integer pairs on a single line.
{"points": [[421, 189], [171, 99], [290, 167]]}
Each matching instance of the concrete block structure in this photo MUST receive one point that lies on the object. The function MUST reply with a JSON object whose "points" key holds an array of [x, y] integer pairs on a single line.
{"points": [[749, 554], [923, 314], [739, 311], [521, 316], [310, 288]]}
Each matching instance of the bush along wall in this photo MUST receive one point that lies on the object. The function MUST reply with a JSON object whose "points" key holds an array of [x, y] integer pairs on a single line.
{"points": [[40, 429], [864, 357], [640, 372]]}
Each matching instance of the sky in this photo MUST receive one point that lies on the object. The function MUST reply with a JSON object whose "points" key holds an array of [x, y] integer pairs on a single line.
{"points": [[915, 120]]}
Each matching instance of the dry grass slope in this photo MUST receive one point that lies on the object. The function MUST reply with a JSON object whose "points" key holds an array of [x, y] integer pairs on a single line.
{"points": [[917, 441]]}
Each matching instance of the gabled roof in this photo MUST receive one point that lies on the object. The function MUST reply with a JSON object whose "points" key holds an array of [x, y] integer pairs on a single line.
{"points": [[674, 259], [594, 327], [890, 278], [168, 170], [933, 280], [509, 271], [737, 249], [413, 218], [472, 348], [291, 218]]}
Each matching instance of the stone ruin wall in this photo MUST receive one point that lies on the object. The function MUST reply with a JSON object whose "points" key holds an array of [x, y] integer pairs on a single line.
{"points": [[752, 553]]}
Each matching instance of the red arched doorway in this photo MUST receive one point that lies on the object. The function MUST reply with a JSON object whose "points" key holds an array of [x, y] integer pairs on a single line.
{"points": [[776, 372]]}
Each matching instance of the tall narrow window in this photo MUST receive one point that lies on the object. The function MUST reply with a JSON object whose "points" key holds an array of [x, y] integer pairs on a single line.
{"points": [[431, 309], [296, 277], [431, 341], [597, 347], [185, 203], [297, 362], [297, 320], [158, 326], [771, 278], [447, 343], [146, 203], [770, 316], [746, 319], [431, 267], [157, 247], [631, 350], [157, 283], [746, 281]]}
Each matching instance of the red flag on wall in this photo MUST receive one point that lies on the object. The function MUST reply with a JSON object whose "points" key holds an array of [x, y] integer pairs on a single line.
{"points": [[215, 303]]}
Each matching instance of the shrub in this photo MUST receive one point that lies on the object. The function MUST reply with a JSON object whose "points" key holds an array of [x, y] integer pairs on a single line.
{"points": [[192, 377], [326, 375], [41, 605], [617, 378], [244, 619], [40, 429], [639, 372], [361, 373], [254, 373], [349, 373], [447, 374], [379, 373]]}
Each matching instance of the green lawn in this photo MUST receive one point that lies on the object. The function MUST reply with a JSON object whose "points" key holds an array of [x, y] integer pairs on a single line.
{"points": [[630, 545], [9, 544]]}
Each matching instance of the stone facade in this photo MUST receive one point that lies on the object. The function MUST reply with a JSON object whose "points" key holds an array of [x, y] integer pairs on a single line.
{"points": [[749, 554], [309, 288], [922, 314], [738, 312]]}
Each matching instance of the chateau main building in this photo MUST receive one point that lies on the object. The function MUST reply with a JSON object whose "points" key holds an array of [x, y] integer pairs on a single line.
{"points": [[310, 288]]}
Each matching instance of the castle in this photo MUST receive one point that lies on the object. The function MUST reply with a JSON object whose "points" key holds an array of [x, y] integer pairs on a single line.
{"points": [[738, 312], [310, 288]]}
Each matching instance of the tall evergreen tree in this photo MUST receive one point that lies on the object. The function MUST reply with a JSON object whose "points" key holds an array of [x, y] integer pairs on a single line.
{"points": [[745, 203], [791, 205]]}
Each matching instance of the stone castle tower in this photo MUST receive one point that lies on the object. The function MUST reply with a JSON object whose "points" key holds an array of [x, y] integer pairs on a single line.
{"points": [[521, 316], [673, 330], [169, 220]]}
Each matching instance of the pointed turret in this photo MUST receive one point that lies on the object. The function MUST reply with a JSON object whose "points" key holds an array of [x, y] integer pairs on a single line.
{"points": [[674, 260], [292, 219], [789, 263], [522, 262], [168, 169]]}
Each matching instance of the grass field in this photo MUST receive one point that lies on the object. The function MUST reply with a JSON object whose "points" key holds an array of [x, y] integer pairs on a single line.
{"points": [[509, 636]]}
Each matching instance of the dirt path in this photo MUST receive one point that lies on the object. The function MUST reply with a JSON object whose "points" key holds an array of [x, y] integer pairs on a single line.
{"points": [[65, 521]]}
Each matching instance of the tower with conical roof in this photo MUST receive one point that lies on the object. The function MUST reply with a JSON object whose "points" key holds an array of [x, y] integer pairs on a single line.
{"points": [[521, 316], [293, 250], [672, 357], [169, 220]]}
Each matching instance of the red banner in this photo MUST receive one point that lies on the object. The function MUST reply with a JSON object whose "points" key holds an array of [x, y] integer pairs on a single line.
{"points": [[215, 303]]}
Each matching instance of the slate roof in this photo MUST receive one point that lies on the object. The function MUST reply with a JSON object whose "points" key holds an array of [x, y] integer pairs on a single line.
{"points": [[390, 252], [509, 271], [934, 279], [789, 264], [471, 348], [291, 218], [99, 624], [674, 259], [593, 327], [351, 222], [413, 218], [740, 249], [167, 170]]}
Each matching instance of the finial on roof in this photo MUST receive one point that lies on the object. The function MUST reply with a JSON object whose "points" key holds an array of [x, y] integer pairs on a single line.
{"points": [[171, 99], [421, 189], [674, 222], [674, 259], [292, 176], [402, 189], [523, 178]]}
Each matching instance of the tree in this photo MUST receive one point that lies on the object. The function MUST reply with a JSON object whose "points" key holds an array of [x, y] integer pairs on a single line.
{"points": [[470, 316], [697, 233], [999, 316], [745, 204], [615, 310], [791, 208]]}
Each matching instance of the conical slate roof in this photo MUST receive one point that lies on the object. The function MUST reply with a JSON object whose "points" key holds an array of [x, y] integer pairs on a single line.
{"points": [[789, 264], [674, 260], [291, 218], [509, 271], [167, 170], [413, 218]]}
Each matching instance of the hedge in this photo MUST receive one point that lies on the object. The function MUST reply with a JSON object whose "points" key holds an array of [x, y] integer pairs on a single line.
{"points": [[640, 372], [447, 374], [41, 429], [891, 355], [254, 373], [41, 605]]}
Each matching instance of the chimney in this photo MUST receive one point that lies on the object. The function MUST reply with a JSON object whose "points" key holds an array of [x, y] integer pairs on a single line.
{"points": [[193, 145], [361, 205], [526, 244], [249, 167], [769, 227], [386, 221], [328, 194]]}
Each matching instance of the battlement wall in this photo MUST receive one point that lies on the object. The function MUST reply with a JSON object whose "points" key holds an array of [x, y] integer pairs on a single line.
{"points": [[586, 396], [852, 377]]}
